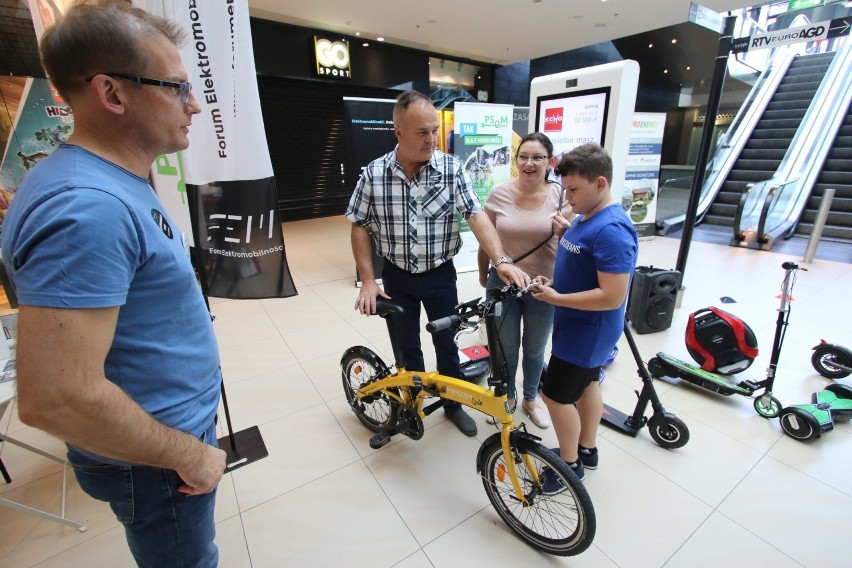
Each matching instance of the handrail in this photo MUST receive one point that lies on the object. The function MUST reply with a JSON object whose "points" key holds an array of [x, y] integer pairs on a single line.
{"points": [[807, 152], [739, 235], [730, 146], [767, 204]]}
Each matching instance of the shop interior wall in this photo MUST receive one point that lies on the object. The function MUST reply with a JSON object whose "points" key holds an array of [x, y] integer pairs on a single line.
{"points": [[303, 114]]}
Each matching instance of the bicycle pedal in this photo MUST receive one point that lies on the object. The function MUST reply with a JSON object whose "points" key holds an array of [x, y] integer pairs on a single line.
{"points": [[380, 439]]}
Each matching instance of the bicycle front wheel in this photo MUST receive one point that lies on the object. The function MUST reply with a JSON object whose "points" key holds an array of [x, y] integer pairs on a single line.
{"points": [[561, 522]]}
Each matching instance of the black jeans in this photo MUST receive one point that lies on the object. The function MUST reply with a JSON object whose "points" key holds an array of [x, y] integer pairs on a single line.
{"points": [[436, 290]]}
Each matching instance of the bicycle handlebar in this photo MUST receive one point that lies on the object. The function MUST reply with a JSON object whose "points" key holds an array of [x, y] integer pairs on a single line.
{"points": [[449, 322], [477, 307]]}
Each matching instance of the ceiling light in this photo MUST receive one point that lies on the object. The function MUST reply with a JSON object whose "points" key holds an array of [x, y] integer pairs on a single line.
{"points": [[358, 34], [365, 44], [688, 68], [674, 40], [665, 70], [380, 39], [650, 45]]}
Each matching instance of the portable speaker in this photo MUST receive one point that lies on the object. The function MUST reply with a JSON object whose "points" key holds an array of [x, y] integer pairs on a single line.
{"points": [[651, 303], [720, 342]]}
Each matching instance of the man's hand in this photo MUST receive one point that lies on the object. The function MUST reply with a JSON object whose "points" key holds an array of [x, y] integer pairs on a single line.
{"points": [[511, 274], [366, 302], [203, 475]]}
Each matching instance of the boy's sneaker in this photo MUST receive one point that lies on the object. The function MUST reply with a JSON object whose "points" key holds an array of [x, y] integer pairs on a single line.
{"points": [[578, 469], [588, 457], [551, 484]]}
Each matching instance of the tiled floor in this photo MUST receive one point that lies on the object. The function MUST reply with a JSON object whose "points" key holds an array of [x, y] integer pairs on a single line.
{"points": [[739, 492]]}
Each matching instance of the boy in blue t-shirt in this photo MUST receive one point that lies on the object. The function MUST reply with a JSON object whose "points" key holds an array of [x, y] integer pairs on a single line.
{"points": [[594, 264]]}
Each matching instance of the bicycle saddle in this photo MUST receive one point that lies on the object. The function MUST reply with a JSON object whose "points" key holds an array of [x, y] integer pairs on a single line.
{"points": [[385, 308]]}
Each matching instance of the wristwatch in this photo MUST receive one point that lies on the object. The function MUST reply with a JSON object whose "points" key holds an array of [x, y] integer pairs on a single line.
{"points": [[502, 260]]}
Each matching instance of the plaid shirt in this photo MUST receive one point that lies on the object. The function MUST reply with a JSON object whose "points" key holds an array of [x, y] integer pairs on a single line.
{"points": [[414, 222]]}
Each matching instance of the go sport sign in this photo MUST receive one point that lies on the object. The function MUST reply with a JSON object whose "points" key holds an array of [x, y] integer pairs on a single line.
{"points": [[812, 32], [332, 58]]}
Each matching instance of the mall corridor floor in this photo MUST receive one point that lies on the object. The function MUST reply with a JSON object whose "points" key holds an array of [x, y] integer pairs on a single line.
{"points": [[739, 492]]}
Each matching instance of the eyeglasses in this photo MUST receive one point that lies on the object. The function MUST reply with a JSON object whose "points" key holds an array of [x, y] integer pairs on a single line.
{"points": [[537, 159], [185, 89]]}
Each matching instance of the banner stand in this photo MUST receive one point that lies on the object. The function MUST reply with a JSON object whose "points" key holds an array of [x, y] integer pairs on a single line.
{"points": [[246, 446]]}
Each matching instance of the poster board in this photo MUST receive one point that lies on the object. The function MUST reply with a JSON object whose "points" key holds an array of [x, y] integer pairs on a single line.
{"points": [[594, 104], [642, 180], [483, 145]]}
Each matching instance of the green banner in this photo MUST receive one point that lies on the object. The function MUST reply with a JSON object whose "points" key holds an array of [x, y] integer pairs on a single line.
{"points": [[802, 4]]}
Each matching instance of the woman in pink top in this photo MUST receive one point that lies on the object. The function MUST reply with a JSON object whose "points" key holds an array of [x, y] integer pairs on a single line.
{"points": [[530, 215]]}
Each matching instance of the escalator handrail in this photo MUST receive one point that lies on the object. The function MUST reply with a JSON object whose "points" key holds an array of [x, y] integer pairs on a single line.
{"points": [[762, 93], [729, 147], [811, 144], [739, 235]]}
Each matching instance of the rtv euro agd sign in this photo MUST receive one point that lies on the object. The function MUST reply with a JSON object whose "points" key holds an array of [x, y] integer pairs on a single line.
{"points": [[812, 32]]}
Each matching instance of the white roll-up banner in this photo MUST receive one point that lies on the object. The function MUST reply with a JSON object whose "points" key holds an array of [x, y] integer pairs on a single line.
{"points": [[223, 184]]}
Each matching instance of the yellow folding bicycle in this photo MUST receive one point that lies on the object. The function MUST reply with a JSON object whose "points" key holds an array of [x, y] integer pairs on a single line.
{"points": [[556, 516]]}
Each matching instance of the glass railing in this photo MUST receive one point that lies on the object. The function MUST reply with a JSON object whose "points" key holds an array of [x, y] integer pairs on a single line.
{"points": [[732, 142], [786, 194]]}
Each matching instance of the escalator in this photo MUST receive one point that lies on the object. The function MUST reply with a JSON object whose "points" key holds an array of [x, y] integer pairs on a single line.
{"points": [[837, 174], [771, 137]]}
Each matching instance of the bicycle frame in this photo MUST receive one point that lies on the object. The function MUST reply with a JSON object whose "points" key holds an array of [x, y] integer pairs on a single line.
{"points": [[398, 384]]}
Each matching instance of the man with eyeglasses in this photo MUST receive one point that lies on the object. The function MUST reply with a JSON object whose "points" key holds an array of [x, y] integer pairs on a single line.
{"points": [[116, 351]]}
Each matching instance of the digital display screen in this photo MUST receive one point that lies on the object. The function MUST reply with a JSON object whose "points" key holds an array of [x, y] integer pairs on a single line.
{"points": [[572, 119]]}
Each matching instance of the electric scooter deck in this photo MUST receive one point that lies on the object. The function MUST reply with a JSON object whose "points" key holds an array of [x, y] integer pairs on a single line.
{"points": [[664, 365]]}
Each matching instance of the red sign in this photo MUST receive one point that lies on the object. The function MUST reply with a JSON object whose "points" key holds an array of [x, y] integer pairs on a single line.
{"points": [[553, 120]]}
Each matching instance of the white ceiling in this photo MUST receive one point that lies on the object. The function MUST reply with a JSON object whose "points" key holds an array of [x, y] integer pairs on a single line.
{"points": [[491, 31]]}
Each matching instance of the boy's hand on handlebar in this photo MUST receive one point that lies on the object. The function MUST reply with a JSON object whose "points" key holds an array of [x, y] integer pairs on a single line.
{"points": [[543, 291], [366, 302], [511, 274]]}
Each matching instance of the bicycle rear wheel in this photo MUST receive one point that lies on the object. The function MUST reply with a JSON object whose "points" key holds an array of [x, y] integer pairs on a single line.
{"points": [[361, 366], [563, 523]]}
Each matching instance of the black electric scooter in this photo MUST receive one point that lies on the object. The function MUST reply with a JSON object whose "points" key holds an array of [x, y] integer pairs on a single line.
{"points": [[765, 403], [665, 428]]}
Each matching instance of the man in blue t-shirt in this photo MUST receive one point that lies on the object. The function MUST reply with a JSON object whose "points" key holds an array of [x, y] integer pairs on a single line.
{"points": [[116, 351], [594, 263]]}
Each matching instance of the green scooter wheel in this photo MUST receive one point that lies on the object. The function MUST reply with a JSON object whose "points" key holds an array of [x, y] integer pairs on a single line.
{"points": [[767, 407]]}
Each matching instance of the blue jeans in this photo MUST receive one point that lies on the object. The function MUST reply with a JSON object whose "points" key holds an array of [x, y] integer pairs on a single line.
{"points": [[537, 318], [436, 290], [164, 528]]}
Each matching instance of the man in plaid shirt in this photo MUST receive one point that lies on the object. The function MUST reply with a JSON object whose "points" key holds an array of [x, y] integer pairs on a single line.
{"points": [[407, 202]]}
